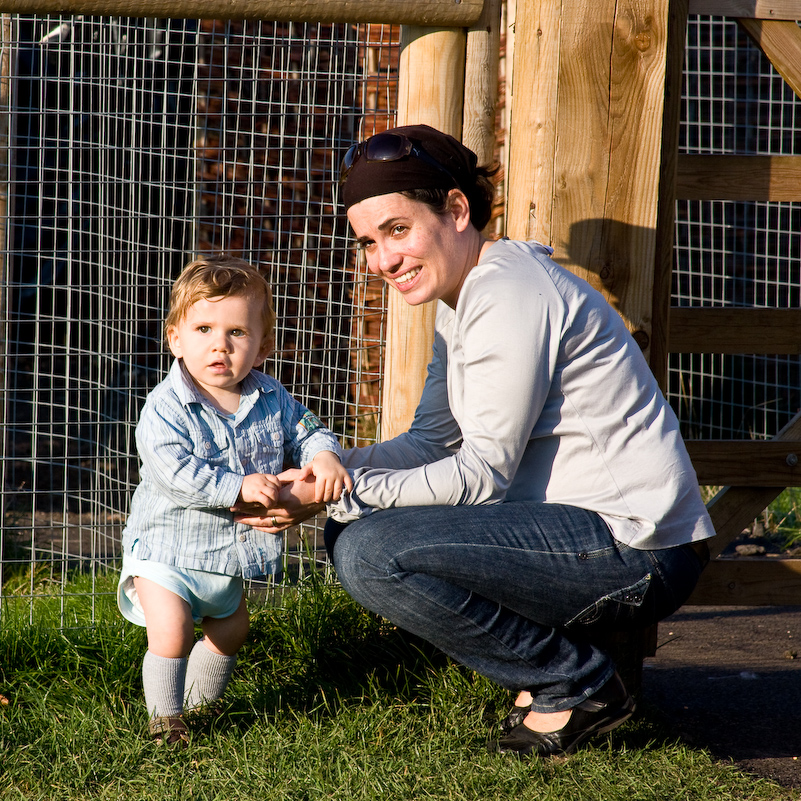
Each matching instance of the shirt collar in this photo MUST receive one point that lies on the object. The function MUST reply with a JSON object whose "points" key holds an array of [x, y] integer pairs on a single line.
{"points": [[188, 393]]}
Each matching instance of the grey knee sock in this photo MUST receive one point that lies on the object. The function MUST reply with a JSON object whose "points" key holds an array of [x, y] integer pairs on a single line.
{"points": [[163, 683], [207, 676]]}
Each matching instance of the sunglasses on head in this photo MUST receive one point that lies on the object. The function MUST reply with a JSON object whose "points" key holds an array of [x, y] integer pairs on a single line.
{"points": [[387, 147]]}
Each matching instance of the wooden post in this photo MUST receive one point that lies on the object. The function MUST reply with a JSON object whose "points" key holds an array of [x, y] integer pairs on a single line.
{"points": [[586, 165], [481, 83], [409, 12], [430, 92], [586, 142], [666, 210]]}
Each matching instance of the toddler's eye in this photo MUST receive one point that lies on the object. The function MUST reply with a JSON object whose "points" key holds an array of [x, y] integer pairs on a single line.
{"points": [[237, 332], [203, 329]]}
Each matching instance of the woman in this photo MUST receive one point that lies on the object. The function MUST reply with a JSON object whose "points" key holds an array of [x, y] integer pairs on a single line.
{"points": [[543, 493]]}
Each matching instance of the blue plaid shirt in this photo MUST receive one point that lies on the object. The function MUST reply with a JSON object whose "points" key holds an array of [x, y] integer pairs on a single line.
{"points": [[193, 459]]}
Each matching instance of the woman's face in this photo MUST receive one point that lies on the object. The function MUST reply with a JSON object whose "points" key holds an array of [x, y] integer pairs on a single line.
{"points": [[424, 255]]}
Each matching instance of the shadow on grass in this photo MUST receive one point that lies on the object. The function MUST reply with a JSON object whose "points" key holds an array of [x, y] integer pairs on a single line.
{"points": [[314, 648]]}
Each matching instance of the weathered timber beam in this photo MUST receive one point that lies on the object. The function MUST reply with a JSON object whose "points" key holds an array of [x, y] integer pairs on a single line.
{"points": [[738, 178], [430, 92], [780, 41], [734, 507], [749, 463], [754, 9], [428, 13], [759, 581], [735, 331]]}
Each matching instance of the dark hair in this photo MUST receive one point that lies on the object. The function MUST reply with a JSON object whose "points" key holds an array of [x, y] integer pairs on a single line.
{"points": [[480, 197]]}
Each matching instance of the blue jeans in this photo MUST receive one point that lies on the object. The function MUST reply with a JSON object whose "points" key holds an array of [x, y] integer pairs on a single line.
{"points": [[514, 591]]}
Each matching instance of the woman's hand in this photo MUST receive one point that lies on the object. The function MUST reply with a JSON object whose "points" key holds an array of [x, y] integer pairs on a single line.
{"points": [[294, 505]]}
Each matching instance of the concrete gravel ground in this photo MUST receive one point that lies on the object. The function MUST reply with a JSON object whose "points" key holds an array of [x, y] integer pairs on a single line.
{"points": [[728, 679]]}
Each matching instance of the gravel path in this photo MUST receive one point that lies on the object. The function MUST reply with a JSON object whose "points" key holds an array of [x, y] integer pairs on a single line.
{"points": [[728, 679]]}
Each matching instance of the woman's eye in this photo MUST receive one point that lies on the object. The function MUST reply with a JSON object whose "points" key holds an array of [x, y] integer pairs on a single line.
{"points": [[398, 229]]}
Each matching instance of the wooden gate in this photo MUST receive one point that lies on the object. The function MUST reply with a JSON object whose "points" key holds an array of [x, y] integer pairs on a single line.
{"points": [[752, 473], [594, 172]]}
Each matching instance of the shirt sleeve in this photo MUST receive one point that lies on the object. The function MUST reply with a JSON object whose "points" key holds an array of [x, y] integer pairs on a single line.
{"points": [[305, 435], [434, 433], [506, 340], [168, 457]]}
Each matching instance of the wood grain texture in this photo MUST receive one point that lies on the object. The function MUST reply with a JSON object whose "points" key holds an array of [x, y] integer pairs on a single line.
{"points": [[430, 91], [738, 178], [780, 41], [481, 83], [533, 120], [666, 212], [735, 507], [451, 13], [734, 331], [586, 142], [756, 581], [755, 9], [747, 463], [609, 152]]}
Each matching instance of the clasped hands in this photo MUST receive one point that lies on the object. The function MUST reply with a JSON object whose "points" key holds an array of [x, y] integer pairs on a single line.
{"points": [[295, 503]]}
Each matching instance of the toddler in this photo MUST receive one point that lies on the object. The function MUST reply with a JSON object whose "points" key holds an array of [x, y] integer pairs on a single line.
{"points": [[214, 433]]}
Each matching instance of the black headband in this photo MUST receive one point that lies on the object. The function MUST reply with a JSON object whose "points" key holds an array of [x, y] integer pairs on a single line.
{"points": [[409, 157]]}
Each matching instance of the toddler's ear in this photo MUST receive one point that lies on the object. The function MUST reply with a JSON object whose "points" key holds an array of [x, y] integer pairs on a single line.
{"points": [[267, 347], [174, 342]]}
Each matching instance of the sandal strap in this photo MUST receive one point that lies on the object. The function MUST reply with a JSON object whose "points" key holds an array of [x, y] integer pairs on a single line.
{"points": [[169, 729]]}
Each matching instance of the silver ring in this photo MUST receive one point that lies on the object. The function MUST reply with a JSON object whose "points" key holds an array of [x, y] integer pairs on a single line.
{"points": [[275, 525]]}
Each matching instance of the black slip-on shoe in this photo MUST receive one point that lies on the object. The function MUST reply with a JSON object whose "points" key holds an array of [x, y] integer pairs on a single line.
{"points": [[600, 713], [517, 714]]}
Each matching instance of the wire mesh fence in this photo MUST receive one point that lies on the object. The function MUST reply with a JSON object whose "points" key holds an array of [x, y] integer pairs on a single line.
{"points": [[745, 254], [135, 143]]}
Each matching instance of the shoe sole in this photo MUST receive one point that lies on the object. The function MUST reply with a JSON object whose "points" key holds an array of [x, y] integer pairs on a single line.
{"points": [[603, 729]]}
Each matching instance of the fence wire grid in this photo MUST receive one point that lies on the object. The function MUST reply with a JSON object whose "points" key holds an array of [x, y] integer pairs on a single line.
{"points": [[134, 143], [737, 254]]}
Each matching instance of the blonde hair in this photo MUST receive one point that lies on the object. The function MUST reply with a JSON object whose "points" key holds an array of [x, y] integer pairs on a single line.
{"points": [[220, 276]]}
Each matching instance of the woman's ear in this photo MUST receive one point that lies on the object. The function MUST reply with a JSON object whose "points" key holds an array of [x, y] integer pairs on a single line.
{"points": [[459, 207]]}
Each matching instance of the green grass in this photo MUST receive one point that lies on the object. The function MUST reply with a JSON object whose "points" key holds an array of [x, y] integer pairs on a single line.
{"points": [[782, 519], [328, 702], [780, 523]]}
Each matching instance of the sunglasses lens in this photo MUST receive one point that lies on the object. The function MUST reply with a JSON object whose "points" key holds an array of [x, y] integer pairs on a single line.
{"points": [[387, 147], [348, 161]]}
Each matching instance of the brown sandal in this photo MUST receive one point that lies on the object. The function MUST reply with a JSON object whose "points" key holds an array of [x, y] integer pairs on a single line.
{"points": [[169, 730]]}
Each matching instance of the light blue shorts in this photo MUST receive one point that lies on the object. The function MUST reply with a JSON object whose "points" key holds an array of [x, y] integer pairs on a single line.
{"points": [[208, 594]]}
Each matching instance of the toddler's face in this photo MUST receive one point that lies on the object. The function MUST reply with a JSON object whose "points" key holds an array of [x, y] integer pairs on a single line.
{"points": [[220, 341]]}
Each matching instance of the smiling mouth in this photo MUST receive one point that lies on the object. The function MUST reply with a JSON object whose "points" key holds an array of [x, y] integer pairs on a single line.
{"points": [[406, 277]]}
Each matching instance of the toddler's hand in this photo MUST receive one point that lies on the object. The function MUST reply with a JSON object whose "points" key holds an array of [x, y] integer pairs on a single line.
{"points": [[330, 477], [260, 488]]}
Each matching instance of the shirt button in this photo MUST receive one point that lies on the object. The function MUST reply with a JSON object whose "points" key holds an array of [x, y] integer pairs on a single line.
{"points": [[243, 537]]}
